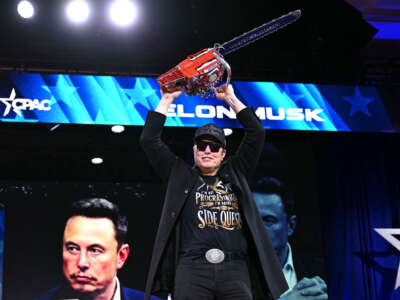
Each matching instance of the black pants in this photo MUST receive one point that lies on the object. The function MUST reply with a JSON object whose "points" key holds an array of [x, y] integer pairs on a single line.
{"points": [[200, 280]]}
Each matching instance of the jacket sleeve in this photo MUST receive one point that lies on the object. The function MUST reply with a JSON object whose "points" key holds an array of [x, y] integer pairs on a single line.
{"points": [[250, 148], [160, 156]]}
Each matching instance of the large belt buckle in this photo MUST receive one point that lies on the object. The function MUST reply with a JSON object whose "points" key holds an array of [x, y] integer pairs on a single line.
{"points": [[215, 256]]}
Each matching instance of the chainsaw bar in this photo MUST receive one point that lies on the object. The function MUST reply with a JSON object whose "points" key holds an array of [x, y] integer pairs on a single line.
{"points": [[258, 33]]}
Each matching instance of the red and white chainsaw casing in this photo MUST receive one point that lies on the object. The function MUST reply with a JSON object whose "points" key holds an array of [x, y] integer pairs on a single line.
{"points": [[197, 74]]}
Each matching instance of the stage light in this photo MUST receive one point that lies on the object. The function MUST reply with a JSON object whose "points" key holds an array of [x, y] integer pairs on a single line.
{"points": [[78, 11], [54, 127], [25, 9], [117, 128], [97, 160], [123, 12], [228, 131]]}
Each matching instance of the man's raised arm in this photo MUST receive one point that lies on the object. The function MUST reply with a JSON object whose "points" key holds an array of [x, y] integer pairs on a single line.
{"points": [[249, 151], [158, 153], [226, 94]]}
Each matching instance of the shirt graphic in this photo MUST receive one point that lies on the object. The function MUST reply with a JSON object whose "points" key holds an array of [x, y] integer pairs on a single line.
{"points": [[217, 206]]}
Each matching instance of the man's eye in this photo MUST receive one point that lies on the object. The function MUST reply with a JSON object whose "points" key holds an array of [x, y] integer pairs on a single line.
{"points": [[72, 249], [269, 221], [96, 250]]}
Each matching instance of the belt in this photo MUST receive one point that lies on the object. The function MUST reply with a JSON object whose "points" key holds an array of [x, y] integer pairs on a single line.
{"points": [[213, 256]]}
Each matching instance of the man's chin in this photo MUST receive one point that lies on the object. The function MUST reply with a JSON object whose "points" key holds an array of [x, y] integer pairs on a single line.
{"points": [[207, 167], [83, 287]]}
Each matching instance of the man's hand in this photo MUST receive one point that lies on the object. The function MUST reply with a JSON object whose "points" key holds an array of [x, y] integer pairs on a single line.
{"points": [[223, 92], [308, 289], [166, 100], [226, 94], [170, 97]]}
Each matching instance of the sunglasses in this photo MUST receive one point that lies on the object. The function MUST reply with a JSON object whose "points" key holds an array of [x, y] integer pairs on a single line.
{"points": [[202, 146]]}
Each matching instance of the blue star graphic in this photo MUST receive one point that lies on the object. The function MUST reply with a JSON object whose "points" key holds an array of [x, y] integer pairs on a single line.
{"points": [[358, 103], [139, 93], [291, 95], [63, 90], [100, 118]]}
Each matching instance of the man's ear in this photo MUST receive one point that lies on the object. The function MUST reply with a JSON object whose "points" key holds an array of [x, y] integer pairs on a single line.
{"points": [[223, 153], [292, 221], [123, 253]]}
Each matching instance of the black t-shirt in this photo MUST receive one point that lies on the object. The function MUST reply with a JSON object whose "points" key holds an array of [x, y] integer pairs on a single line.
{"points": [[211, 219]]}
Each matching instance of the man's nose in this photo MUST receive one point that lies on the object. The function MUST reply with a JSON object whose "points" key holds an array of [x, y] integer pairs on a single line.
{"points": [[208, 149], [83, 261]]}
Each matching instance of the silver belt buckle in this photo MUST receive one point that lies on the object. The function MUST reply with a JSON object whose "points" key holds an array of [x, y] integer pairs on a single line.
{"points": [[215, 256]]}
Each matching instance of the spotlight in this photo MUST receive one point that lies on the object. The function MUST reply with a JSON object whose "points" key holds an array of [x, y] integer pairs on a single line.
{"points": [[117, 128], [97, 160], [25, 9], [123, 12], [78, 11]]}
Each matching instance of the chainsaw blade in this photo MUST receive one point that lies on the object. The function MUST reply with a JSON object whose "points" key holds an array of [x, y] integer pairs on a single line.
{"points": [[258, 33]]}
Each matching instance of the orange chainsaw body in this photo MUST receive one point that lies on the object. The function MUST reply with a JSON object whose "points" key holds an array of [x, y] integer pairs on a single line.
{"points": [[196, 75]]}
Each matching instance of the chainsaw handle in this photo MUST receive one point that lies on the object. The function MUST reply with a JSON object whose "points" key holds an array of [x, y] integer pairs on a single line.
{"points": [[227, 67]]}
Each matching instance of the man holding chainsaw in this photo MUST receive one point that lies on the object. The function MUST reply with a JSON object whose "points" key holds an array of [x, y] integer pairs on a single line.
{"points": [[211, 242]]}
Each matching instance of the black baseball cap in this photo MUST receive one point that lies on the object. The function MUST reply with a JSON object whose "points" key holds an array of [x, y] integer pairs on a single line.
{"points": [[211, 130]]}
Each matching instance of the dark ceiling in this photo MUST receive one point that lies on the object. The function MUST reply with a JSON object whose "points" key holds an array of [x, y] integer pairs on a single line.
{"points": [[326, 44]]}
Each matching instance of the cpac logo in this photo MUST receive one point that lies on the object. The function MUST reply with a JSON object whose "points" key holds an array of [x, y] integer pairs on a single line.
{"points": [[264, 113], [18, 104], [389, 235]]}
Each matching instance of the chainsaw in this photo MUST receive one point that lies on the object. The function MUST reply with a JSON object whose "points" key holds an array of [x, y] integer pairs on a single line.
{"points": [[200, 72]]}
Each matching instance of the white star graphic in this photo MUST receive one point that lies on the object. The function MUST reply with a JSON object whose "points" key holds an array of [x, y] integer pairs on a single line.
{"points": [[388, 234], [8, 105]]}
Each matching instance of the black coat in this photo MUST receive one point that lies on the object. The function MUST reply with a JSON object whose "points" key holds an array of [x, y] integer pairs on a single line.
{"points": [[264, 268]]}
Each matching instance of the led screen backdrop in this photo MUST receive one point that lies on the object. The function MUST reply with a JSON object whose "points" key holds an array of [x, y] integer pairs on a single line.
{"points": [[345, 186], [88, 99]]}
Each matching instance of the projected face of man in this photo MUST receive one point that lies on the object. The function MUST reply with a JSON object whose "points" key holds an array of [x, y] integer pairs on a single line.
{"points": [[276, 222], [91, 256]]}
